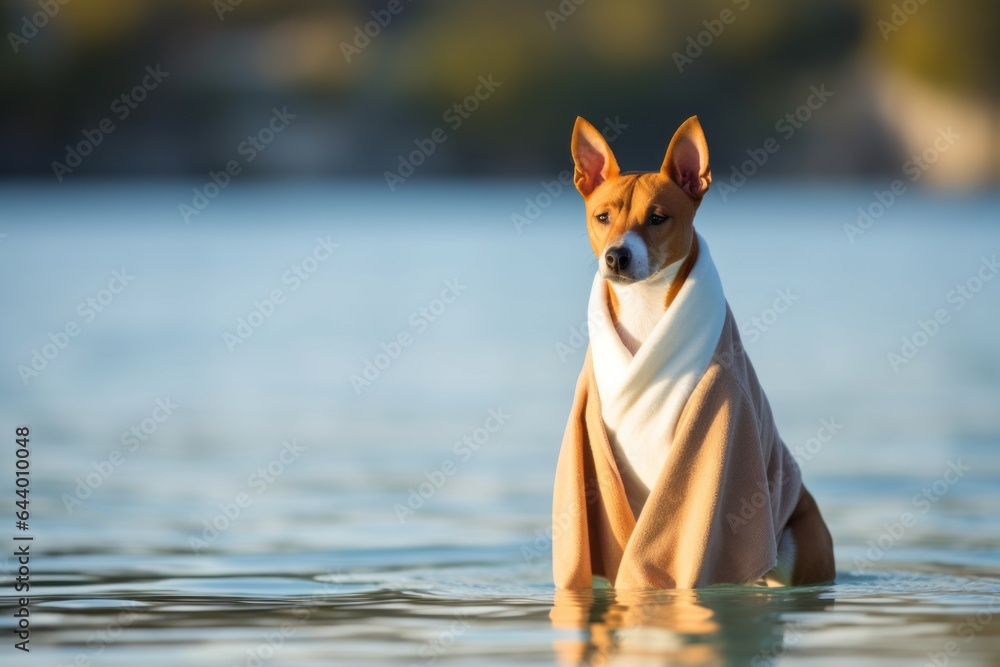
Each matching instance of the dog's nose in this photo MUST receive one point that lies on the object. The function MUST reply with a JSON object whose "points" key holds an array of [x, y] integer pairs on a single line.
{"points": [[618, 258]]}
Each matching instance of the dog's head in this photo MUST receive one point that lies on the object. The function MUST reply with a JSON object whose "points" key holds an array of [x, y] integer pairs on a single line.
{"points": [[639, 223]]}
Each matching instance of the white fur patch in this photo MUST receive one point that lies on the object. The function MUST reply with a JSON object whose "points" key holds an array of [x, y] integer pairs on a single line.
{"points": [[641, 305], [638, 267]]}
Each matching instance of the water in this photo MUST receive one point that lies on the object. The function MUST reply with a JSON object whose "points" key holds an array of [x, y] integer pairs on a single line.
{"points": [[324, 551]]}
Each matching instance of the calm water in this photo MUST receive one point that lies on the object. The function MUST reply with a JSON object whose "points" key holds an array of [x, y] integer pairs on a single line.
{"points": [[211, 493]]}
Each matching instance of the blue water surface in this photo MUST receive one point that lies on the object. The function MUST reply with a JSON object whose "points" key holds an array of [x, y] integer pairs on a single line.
{"points": [[217, 481]]}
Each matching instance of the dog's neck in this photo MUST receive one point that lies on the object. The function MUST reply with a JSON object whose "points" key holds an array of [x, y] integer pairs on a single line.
{"points": [[637, 307]]}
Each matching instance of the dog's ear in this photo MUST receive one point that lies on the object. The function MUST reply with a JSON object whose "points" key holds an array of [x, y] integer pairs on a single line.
{"points": [[686, 162], [595, 163]]}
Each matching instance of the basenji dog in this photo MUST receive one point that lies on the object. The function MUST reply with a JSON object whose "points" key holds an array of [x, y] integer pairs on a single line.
{"points": [[641, 227]]}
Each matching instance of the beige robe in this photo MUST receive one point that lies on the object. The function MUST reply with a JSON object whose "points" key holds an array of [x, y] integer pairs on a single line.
{"points": [[720, 504]]}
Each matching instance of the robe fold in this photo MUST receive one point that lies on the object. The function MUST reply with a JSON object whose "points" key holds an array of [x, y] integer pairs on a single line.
{"points": [[727, 485]]}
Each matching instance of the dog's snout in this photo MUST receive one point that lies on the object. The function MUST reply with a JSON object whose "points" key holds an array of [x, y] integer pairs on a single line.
{"points": [[618, 258]]}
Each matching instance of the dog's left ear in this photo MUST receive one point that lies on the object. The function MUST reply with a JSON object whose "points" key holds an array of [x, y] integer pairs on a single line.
{"points": [[595, 163], [686, 162]]}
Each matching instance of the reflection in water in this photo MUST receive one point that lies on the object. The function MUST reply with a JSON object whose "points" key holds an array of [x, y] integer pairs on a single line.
{"points": [[722, 625]]}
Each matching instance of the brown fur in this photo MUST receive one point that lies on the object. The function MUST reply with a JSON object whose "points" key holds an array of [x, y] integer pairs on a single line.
{"points": [[675, 191], [683, 274], [814, 562]]}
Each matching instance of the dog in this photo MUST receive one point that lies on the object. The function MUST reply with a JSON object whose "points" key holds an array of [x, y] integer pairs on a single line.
{"points": [[671, 472]]}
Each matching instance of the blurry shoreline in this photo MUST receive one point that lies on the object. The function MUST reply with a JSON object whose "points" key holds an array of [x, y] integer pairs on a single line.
{"points": [[181, 89]]}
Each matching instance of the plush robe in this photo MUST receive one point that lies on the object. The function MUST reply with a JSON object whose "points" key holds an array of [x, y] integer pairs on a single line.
{"points": [[726, 488]]}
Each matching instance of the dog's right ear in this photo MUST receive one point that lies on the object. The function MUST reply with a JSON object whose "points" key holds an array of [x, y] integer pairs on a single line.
{"points": [[686, 162], [595, 163]]}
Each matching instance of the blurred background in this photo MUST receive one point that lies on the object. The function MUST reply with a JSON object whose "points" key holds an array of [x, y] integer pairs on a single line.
{"points": [[363, 92], [270, 269]]}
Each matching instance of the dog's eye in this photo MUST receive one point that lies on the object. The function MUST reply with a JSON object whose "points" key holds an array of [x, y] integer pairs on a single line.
{"points": [[657, 219], [602, 217]]}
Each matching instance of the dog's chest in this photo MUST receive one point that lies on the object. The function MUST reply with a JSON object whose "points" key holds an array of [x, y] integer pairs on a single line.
{"points": [[640, 308]]}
